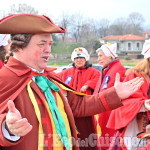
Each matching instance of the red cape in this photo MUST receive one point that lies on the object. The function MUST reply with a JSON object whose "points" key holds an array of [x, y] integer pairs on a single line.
{"points": [[88, 76], [11, 90], [121, 117]]}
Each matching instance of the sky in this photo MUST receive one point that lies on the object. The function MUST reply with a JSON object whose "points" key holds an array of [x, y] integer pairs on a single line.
{"points": [[95, 9]]}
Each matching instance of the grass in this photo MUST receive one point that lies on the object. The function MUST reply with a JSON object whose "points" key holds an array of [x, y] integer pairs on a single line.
{"points": [[58, 63], [131, 62]]}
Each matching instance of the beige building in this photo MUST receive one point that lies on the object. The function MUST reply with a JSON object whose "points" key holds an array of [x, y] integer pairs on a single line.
{"points": [[126, 43]]}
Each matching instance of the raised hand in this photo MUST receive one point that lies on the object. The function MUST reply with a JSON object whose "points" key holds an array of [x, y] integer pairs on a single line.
{"points": [[15, 124], [125, 89]]}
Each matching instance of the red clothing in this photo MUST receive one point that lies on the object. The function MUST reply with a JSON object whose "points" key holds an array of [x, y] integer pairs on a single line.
{"points": [[88, 76], [110, 72], [145, 148], [1, 64], [16, 90], [120, 118]]}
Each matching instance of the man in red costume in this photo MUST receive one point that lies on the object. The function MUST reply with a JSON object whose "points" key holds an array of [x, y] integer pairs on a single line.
{"points": [[107, 57], [37, 109]]}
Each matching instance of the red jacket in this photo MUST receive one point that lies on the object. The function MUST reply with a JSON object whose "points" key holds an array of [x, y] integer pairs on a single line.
{"points": [[86, 126], [145, 148], [88, 76], [1, 64], [14, 78], [110, 73], [120, 118]]}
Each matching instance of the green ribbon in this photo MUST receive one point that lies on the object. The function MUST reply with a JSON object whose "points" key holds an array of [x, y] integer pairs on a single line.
{"points": [[46, 86]]}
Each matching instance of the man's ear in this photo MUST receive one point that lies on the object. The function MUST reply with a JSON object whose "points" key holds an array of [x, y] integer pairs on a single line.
{"points": [[110, 58], [20, 50]]}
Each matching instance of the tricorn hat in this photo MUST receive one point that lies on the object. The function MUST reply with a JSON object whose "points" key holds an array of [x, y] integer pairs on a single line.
{"points": [[28, 23]]}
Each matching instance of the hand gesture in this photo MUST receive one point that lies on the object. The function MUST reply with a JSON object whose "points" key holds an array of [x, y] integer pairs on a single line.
{"points": [[84, 88], [15, 124], [147, 104], [125, 89]]}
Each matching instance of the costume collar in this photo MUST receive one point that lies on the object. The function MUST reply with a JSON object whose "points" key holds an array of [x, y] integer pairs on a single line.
{"points": [[20, 69], [111, 63]]}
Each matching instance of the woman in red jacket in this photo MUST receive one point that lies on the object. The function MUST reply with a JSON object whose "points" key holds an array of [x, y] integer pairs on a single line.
{"points": [[133, 117], [107, 57], [83, 78]]}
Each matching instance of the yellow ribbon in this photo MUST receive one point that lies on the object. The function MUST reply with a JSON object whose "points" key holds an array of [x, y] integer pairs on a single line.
{"points": [[38, 114]]}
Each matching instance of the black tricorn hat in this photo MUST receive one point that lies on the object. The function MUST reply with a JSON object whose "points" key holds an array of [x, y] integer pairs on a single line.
{"points": [[28, 23]]}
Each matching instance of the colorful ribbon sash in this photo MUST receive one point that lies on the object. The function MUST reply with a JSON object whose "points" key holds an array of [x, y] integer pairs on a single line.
{"points": [[46, 86]]}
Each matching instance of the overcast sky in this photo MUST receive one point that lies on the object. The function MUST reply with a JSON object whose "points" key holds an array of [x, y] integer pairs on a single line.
{"points": [[96, 9]]}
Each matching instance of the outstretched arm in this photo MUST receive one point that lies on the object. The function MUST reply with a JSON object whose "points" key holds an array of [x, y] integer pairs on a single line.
{"points": [[104, 101], [125, 89]]}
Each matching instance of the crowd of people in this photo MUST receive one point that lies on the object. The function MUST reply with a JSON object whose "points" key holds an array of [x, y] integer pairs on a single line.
{"points": [[42, 110]]}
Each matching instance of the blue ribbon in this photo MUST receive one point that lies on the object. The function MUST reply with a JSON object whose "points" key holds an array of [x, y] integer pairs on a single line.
{"points": [[68, 79], [105, 82]]}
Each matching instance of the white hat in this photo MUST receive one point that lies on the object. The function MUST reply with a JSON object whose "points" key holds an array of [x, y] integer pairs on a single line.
{"points": [[146, 49], [4, 39], [109, 50], [80, 52]]}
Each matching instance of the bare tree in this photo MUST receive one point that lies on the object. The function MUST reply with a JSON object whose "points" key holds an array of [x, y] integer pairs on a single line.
{"points": [[22, 8], [2, 13], [75, 27], [135, 21], [103, 27], [118, 27], [65, 22]]}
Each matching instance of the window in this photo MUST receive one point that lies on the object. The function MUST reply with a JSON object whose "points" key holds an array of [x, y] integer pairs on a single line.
{"points": [[129, 46], [118, 46], [138, 46]]}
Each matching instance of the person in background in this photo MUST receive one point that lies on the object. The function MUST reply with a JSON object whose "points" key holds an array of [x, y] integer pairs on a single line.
{"points": [[133, 117], [83, 78], [4, 48], [146, 137], [107, 58], [37, 108]]}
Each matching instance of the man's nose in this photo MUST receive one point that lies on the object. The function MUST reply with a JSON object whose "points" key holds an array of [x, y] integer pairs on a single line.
{"points": [[48, 48]]}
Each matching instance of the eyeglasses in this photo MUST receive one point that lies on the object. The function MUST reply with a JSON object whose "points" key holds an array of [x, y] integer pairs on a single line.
{"points": [[79, 58]]}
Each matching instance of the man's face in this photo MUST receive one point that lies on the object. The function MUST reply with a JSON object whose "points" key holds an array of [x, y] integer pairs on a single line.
{"points": [[37, 53], [103, 59]]}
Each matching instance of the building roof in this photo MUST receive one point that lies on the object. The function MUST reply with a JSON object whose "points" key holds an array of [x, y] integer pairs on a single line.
{"points": [[146, 31], [124, 37]]}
